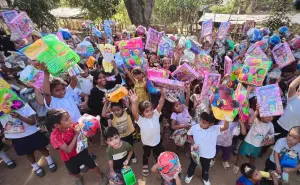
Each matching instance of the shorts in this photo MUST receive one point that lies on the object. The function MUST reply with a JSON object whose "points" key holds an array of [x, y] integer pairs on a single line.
{"points": [[30, 144], [247, 149], [73, 164], [269, 165]]}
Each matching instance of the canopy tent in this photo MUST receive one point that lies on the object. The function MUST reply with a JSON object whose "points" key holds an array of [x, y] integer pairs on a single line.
{"points": [[75, 13]]}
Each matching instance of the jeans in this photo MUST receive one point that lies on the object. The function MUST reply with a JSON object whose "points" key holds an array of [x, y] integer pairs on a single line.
{"points": [[157, 150], [205, 163]]}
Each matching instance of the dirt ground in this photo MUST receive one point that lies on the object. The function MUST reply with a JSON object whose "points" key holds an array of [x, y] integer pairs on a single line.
{"points": [[22, 174]]}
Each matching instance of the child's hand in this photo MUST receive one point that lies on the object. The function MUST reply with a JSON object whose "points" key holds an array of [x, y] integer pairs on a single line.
{"points": [[15, 115], [187, 85], [257, 107], [112, 174], [195, 148], [83, 106], [77, 130], [125, 163], [113, 62], [278, 170], [133, 96]]}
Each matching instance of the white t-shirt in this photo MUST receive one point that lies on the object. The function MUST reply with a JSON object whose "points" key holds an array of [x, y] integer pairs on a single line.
{"points": [[26, 111], [150, 129], [282, 147], [85, 84], [291, 117], [205, 139], [258, 132], [67, 103]]}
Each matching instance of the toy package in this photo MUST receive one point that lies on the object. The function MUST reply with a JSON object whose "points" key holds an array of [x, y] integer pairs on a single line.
{"points": [[4, 84], [179, 136], [173, 85], [8, 16], [13, 126], [82, 143], [132, 51], [9, 102], [152, 41], [107, 28], [90, 62], [206, 28], [257, 52], [128, 175], [166, 47], [241, 96], [108, 52], [295, 43], [210, 80], [185, 73], [223, 30], [248, 25], [193, 46], [269, 100], [254, 71], [85, 49], [283, 55], [57, 56], [22, 25], [203, 64], [195, 155], [156, 73], [168, 166], [31, 75], [227, 66], [89, 125], [75, 70], [116, 93], [224, 106]]}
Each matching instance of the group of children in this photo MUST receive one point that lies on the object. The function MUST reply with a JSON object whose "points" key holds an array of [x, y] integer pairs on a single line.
{"points": [[143, 111]]}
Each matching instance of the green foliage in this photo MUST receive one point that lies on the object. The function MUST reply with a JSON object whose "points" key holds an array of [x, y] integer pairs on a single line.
{"points": [[37, 10], [122, 15], [227, 9]]}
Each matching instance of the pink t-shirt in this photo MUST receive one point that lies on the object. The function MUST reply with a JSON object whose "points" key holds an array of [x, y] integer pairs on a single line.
{"points": [[182, 117]]}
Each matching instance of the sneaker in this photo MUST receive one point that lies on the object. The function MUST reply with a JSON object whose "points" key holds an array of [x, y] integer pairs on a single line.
{"points": [[188, 179], [78, 181], [206, 182], [134, 160], [226, 164], [212, 162], [11, 164]]}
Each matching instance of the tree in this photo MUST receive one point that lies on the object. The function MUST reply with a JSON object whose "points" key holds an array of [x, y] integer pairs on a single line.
{"points": [[37, 10]]}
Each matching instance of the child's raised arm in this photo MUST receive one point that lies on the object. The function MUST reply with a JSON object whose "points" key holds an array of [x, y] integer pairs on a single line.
{"points": [[253, 116], [46, 85], [161, 101], [129, 74], [73, 82], [293, 87], [39, 97], [104, 110], [134, 104], [188, 94], [225, 126]]}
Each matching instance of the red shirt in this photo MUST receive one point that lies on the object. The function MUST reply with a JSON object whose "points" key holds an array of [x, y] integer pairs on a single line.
{"points": [[58, 138]]}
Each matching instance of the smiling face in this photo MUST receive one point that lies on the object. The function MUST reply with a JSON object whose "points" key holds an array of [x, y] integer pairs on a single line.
{"points": [[166, 63], [101, 81], [59, 91]]}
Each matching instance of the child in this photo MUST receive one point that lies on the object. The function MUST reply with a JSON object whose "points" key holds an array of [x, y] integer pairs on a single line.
{"points": [[205, 48], [261, 128], [204, 138], [58, 96], [9, 163], [250, 175], [118, 152], [140, 83], [64, 137], [148, 121], [180, 118], [85, 80], [166, 63], [285, 148], [29, 141], [121, 120], [168, 165]]}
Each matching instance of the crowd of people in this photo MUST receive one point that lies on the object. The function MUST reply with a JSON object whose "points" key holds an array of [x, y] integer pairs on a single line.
{"points": [[152, 114]]}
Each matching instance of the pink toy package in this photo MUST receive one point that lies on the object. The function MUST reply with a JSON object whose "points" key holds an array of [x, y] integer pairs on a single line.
{"points": [[172, 85], [210, 80], [203, 64], [132, 51], [185, 73], [257, 52], [223, 30], [22, 25], [166, 47], [247, 25], [283, 55], [9, 15], [269, 100], [227, 66], [207, 27], [152, 41], [156, 73], [241, 96]]}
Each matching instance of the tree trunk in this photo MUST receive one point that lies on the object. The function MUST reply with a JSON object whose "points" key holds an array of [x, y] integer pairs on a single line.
{"points": [[139, 11]]}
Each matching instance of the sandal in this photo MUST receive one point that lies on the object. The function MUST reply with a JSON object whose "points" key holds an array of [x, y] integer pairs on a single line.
{"points": [[145, 171], [40, 172], [11, 164], [235, 169], [52, 167]]}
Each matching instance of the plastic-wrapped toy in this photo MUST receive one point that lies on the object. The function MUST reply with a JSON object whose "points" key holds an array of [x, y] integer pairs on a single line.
{"points": [[195, 155], [132, 51], [227, 65], [203, 64], [283, 55], [107, 28], [269, 100], [295, 43], [108, 52], [85, 49], [254, 35], [257, 52], [156, 73], [168, 165], [275, 74], [223, 104], [116, 93], [206, 29], [90, 62], [89, 125], [210, 80], [241, 96], [152, 41], [4, 84], [185, 73], [33, 76], [173, 85], [284, 31], [193, 46], [75, 70], [180, 136], [82, 143], [65, 33], [223, 30], [274, 40], [9, 102], [166, 47], [9, 15], [22, 25], [128, 175]]}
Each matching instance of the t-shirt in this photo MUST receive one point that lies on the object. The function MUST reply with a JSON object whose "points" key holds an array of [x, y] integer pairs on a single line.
{"points": [[291, 117], [58, 138], [150, 129], [85, 84], [282, 147], [67, 103], [26, 111], [76, 96], [123, 124], [258, 132], [225, 139], [120, 153], [182, 117], [205, 139]]}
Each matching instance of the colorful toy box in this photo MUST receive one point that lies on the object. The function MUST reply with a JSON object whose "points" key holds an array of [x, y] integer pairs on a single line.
{"points": [[9, 102], [203, 64], [210, 80], [166, 47], [156, 73], [152, 41], [185, 73], [241, 96], [173, 85], [108, 52], [283, 55], [227, 66], [223, 30], [22, 25], [117, 93], [4, 84], [132, 51], [128, 176], [89, 125], [31, 75]]}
